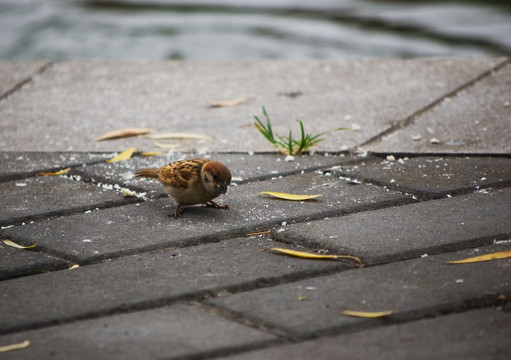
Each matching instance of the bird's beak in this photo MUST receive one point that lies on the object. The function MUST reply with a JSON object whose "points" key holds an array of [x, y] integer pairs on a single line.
{"points": [[223, 187]]}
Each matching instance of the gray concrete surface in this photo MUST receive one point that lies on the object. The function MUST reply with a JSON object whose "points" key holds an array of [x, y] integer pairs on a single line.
{"points": [[201, 286]]}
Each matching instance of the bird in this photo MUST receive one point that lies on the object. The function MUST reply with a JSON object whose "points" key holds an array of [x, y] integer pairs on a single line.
{"points": [[192, 181]]}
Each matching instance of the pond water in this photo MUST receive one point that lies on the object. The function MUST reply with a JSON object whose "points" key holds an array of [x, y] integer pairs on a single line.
{"points": [[250, 29]]}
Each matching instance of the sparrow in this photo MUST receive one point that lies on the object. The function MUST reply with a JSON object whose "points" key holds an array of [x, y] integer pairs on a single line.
{"points": [[191, 182]]}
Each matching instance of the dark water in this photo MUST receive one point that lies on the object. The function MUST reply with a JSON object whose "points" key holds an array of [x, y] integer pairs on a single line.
{"points": [[250, 29]]}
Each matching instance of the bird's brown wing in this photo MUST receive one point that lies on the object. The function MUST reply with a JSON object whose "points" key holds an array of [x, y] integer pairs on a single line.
{"points": [[180, 174]]}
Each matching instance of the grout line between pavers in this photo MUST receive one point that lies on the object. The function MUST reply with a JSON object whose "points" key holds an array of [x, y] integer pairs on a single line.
{"points": [[400, 124], [25, 81], [467, 305]]}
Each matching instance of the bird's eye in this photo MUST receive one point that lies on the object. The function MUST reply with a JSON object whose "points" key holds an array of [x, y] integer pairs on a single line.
{"points": [[215, 177]]}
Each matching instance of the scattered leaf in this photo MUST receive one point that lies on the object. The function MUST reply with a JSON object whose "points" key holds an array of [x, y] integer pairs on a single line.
{"points": [[151, 153], [235, 102], [244, 125], [125, 155], [75, 266], [302, 298], [165, 146], [18, 246], [286, 196], [488, 257], [308, 255], [128, 132], [56, 173], [178, 136], [366, 314], [17, 346]]}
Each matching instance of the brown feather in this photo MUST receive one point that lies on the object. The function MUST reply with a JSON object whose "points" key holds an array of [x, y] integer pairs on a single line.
{"points": [[148, 173]]}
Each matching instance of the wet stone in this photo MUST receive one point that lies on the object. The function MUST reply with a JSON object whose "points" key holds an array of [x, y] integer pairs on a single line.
{"points": [[165, 332], [147, 280], [401, 232], [412, 289], [127, 229], [20, 165], [18, 262], [485, 335], [45, 196], [437, 176]]}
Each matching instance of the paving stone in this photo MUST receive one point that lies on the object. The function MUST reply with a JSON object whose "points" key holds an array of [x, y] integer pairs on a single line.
{"points": [[44, 196], [13, 75], [140, 227], [20, 165], [479, 334], [476, 120], [437, 176], [146, 281], [243, 168], [167, 332], [77, 101], [401, 232], [17, 262], [412, 289]]}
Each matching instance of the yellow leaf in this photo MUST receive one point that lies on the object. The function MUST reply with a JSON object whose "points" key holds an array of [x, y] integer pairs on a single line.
{"points": [[487, 257], [302, 298], [153, 153], [286, 196], [56, 173], [307, 255], [18, 346], [226, 103], [123, 133], [178, 136], [75, 266], [125, 155], [18, 246], [366, 314]]}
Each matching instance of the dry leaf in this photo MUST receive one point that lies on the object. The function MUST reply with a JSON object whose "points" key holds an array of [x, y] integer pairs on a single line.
{"points": [[125, 155], [215, 104], [286, 196], [165, 146], [18, 346], [307, 255], [487, 257], [178, 136], [18, 246], [123, 133], [151, 153], [366, 314], [75, 266], [56, 173]]}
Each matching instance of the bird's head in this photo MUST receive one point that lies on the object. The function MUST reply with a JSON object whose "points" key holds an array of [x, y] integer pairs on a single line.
{"points": [[216, 176]]}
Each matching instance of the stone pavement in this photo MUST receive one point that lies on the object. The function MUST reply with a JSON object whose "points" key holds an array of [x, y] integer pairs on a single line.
{"points": [[423, 178]]}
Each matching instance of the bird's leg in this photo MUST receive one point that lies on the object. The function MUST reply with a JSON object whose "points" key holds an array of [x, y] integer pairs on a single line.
{"points": [[176, 213], [213, 204]]}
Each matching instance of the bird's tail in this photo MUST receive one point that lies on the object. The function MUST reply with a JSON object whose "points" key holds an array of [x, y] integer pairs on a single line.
{"points": [[148, 173]]}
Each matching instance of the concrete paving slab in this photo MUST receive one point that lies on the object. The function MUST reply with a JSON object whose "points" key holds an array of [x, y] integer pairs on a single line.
{"points": [[141, 227], [167, 332], [401, 232], [147, 281], [412, 289], [433, 177], [74, 102], [479, 334], [14, 75], [45, 196], [17, 262], [243, 167], [476, 120], [20, 165]]}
